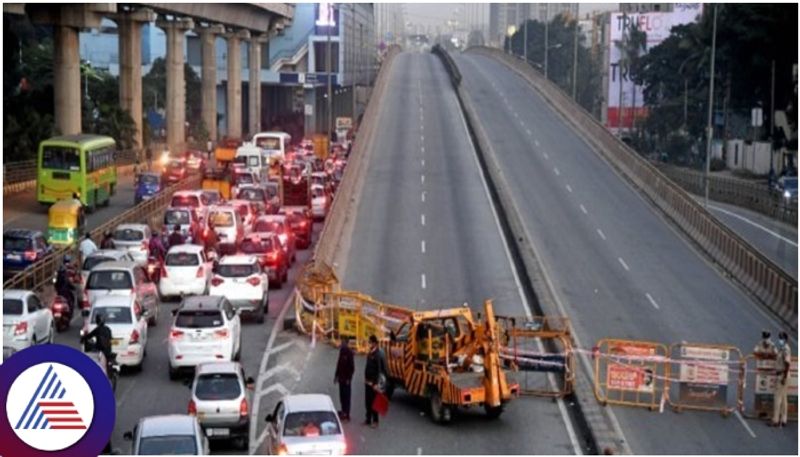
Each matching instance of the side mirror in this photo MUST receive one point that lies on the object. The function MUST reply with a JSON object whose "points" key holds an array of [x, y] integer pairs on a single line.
{"points": [[85, 312], [128, 436], [269, 418]]}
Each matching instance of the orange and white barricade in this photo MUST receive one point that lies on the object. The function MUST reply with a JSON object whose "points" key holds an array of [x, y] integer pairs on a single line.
{"points": [[631, 373], [707, 377]]}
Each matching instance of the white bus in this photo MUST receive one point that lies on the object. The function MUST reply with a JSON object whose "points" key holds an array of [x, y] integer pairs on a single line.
{"points": [[273, 144]]}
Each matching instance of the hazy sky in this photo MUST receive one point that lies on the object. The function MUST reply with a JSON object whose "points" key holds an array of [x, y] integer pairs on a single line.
{"points": [[438, 13]]}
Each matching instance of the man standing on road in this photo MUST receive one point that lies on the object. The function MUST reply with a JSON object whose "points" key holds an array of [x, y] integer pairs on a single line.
{"points": [[765, 348], [780, 404], [372, 376], [87, 246], [345, 367]]}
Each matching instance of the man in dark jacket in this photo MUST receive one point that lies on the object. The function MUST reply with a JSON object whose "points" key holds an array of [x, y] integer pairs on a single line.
{"points": [[345, 367], [176, 237], [375, 367]]}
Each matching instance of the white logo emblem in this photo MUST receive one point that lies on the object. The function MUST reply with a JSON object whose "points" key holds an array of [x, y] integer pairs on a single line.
{"points": [[50, 406]]}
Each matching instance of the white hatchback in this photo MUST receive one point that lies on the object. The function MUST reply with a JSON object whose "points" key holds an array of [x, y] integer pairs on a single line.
{"points": [[135, 238], [228, 225], [305, 424], [128, 323], [26, 320], [186, 271], [241, 280]]}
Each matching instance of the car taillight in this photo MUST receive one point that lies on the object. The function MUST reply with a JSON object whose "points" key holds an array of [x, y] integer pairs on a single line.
{"points": [[30, 255], [216, 280], [273, 256], [243, 408], [175, 335], [199, 272], [303, 224], [283, 450], [254, 281], [221, 333], [21, 328], [192, 409], [134, 337]]}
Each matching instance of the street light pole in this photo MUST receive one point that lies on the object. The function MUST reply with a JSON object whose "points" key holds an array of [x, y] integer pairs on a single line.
{"points": [[575, 63], [328, 71], [525, 39], [353, 58], [546, 35], [709, 126]]}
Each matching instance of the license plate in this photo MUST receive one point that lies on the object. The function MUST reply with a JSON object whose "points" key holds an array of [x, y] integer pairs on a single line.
{"points": [[116, 342], [13, 257], [218, 432]]}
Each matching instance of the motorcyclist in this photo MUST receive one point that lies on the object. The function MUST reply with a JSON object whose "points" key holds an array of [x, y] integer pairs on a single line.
{"points": [[176, 237], [211, 239], [103, 337], [107, 242], [157, 247], [63, 285]]}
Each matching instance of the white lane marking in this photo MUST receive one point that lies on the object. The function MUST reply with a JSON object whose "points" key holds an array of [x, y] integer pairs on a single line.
{"points": [[419, 451], [546, 156], [754, 224], [602, 235], [422, 178], [423, 196], [422, 246], [422, 219], [555, 170], [536, 142], [422, 148], [744, 424], [422, 138], [424, 284], [528, 131], [569, 189], [423, 163], [515, 114], [576, 447], [652, 302], [624, 265], [583, 208]]}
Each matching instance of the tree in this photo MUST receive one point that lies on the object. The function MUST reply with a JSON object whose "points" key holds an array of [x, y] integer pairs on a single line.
{"points": [[154, 89]]}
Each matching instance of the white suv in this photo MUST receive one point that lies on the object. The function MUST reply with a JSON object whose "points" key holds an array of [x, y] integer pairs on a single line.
{"points": [[205, 329], [128, 323], [135, 238], [186, 271], [240, 279], [26, 320], [126, 279], [219, 400], [228, 225]]}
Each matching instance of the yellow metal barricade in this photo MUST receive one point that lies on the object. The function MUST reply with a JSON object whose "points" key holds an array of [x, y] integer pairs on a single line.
{"points": [[631, 373], [708, 377], [759, 387], [522, 350]]}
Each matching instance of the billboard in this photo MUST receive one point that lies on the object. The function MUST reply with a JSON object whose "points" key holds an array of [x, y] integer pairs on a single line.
{"points": [[657, 26]]}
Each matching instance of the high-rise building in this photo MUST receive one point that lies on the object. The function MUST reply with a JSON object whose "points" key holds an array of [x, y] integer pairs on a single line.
{"points": [[504, 15], [645, 7]]}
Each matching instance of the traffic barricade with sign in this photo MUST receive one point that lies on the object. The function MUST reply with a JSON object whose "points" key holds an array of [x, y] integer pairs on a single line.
{"points": [[759, 386], [522, 349], [709, 377], [631, 373]]}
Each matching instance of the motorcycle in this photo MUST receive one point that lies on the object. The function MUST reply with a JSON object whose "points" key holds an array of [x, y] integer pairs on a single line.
{"points": [[62, 313], [154, 268], [110, 367]]}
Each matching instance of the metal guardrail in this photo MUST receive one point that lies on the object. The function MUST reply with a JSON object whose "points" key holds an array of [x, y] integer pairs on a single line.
{"points": [[764, 279], [756, 197], [41, 273]]}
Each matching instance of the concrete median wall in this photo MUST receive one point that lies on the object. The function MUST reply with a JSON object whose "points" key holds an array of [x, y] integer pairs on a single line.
{"points": [[762, 278]]}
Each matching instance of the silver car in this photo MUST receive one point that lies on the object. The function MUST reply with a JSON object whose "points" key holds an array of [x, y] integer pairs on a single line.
{"points": [[173, 434], [220, 401], [305, 424]]}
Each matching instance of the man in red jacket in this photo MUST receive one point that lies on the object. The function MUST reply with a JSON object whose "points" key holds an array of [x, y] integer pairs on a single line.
{"points": [[345, 367]]}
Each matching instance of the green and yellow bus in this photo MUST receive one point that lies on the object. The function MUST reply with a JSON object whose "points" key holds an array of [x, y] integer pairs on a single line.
{"points": [[76, 163]]}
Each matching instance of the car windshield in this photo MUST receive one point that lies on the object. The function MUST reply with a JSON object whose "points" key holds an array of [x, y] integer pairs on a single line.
{"points": [[148, 179], [237, 271], [177, 217], [251, 194], [111, 279], [186, 200], [271, 143], [199, 318], [212, 197], [12, 306], [311, 423], [221, 218], [61, 158], [113, 314], [13, 243], [128, 235], [218, 386], [95, 260], [256, 246], [169, 444], [268, 226], [182, 259], [244, 178], [317, 192]]}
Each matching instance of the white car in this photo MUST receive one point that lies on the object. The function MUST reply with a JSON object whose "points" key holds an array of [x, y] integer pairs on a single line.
{"points": [[241, 280], [248, 211], [205, 329], [320, 201], [122, 278], [172, 434], [135, 238], [186, 271], [228, 225], [220, 401], [102, 256], [26, 320], [305, 424], [128, 323], [195, 199]]}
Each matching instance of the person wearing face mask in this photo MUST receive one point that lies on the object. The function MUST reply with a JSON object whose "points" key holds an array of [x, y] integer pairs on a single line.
{"points": [[780, 402], [765, 348]]}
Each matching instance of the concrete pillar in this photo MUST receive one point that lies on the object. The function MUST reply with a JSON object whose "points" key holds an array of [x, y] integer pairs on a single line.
{"points": [[129, 25], [235, 82], [176, 85], [67, 80], [208, 38], [255, 83]]}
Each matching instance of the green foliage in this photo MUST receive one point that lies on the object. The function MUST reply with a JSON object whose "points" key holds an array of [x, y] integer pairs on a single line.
{"points": [[154, 89], [102, 114]]}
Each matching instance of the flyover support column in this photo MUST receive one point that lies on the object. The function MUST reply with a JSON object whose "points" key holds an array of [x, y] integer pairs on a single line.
{"points": [[176, 85], [255, 83], [235, 82], [208, 38], [130, 66], [67, 80]]}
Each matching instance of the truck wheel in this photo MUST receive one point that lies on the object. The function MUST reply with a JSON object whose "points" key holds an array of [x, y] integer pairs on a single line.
{"points": [[439, 412]]}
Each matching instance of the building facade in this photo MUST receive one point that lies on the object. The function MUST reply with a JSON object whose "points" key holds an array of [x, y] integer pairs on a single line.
{"points": [[504, 15]]}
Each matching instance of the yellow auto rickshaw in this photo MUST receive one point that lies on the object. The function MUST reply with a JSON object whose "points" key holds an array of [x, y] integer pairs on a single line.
{"points": [[218, 179], [66, 222]]}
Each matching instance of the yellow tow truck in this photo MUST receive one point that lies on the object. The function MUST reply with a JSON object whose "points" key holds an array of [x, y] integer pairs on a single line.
{"points": [[450, 358]]}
